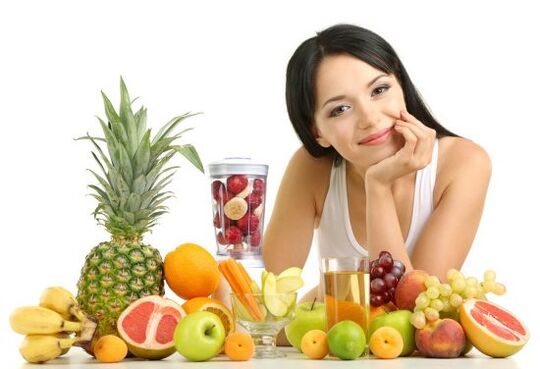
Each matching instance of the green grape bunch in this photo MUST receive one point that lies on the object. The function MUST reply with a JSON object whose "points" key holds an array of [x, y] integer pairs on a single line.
{"points": [[446, 298]]}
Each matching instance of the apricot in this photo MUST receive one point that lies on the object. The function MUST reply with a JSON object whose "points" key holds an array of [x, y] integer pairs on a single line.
{"points": [[314, 344], [110, 349], [386, 343]]}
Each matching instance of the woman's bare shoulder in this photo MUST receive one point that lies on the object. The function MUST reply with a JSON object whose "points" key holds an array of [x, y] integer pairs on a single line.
{"points": [[312, 173], [459, 156]]}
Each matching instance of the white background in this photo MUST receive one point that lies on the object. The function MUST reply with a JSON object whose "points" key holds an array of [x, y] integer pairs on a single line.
{"points": [[475, 63]]}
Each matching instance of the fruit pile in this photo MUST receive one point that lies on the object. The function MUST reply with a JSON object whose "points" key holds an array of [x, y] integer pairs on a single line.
{"points": [[238, 208], [418, 312], [53, 327]]}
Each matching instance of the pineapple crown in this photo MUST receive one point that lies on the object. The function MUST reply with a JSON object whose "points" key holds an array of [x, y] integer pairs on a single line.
{"points": [[131, 186]]}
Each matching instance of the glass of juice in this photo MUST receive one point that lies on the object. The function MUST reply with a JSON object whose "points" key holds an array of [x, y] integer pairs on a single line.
{"points": [[345, 283]]}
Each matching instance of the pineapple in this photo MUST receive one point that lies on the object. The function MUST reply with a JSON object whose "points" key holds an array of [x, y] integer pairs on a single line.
{"points": [[130, 194]]}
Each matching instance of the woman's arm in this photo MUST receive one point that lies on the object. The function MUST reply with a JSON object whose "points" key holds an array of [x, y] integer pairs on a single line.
{"points": [[449, 233], [287, 239]]}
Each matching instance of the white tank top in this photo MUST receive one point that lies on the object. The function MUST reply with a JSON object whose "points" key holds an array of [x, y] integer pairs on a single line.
{"points": [[335, 235]]}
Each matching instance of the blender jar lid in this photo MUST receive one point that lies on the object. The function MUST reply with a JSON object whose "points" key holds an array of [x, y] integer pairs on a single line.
{"points": [[236, 165]]}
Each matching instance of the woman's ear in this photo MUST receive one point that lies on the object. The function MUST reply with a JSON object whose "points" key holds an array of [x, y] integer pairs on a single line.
{"points": [[320, 140]]}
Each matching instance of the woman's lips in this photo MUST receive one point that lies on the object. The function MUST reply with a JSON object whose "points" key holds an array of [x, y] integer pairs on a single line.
{"points": [[378, 138]]}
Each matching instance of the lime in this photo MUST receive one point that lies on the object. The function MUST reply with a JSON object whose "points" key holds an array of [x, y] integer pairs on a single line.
{"points": [[346, 340]]}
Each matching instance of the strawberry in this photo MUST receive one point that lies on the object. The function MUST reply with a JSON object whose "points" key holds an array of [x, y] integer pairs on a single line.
{"points": [[255, 239], [236, 183], [217, 189], [222, 239], [233, 235], [253, 200], [219, 193], [248, 223], [258, 187]]}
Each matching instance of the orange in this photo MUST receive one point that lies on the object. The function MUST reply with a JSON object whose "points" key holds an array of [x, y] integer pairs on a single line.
{"points": [[339, 310], [314, 344], [239, 346], [110, 349], [386, 343], [213, 306], [191, 271]]}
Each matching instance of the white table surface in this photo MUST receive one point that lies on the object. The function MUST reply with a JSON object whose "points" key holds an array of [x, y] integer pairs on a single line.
{"points": [[78, 359]]}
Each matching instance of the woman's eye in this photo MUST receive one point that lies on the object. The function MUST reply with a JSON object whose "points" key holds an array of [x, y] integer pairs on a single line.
{"points": [[340, 109], [379, 90]]}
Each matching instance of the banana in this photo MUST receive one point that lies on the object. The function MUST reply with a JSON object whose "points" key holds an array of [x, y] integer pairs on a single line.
{"points": [[40, 320], [235, 208], [41, 348], [63, 302], [63, 335]]}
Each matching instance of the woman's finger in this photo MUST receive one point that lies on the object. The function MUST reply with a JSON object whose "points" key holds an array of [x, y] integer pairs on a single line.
{"points": [[424, 137], [410, 141], [408, 117]]}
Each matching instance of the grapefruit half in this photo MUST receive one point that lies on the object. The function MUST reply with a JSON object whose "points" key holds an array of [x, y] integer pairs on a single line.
{"points": [[147, 326], [492, 329]]}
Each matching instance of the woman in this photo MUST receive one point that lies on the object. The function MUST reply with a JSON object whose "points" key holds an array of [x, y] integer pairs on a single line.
{"points": [[376, 170]]}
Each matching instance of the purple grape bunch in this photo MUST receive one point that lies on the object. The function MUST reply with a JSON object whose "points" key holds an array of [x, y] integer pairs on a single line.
{"points": [[384, 275]]}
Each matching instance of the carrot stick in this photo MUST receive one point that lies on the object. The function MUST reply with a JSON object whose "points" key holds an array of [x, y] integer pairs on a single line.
{"points": [[240, 285], [233, 280], [245, 284]]}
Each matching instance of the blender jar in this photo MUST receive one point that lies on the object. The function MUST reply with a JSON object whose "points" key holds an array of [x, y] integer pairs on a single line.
{"points": [[238, 190]]}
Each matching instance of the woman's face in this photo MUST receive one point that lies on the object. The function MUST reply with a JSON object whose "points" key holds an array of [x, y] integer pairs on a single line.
{"points": [[353, 101]]}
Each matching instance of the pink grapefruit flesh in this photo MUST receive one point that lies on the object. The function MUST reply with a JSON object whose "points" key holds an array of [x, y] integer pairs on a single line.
{"points": [[492, 330], [148, 324]]}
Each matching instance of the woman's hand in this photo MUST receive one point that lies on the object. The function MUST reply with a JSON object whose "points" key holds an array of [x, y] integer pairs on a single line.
{"points": [[414, 155]]}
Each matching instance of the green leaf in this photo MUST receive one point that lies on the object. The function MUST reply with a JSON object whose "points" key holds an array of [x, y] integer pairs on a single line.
{"points": [[134, 202], [167, 128], [156, 169], [189, 152], [142, 156], [87, 137], [140, 118], [114, 120], [125, 163], [127, 118], [112, 143], [139, 184]]}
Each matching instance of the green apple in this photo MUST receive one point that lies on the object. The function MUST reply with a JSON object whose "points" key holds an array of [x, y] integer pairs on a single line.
{"points": [[399, 320], [346, 340], [199, 336], [308, 316]]}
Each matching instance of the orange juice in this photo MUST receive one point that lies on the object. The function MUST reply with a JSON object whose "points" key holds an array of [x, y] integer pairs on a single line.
{"points": [[347, 298]]}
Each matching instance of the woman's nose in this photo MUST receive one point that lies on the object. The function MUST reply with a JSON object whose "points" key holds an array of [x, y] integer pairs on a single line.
{"points": [[366, 116]]}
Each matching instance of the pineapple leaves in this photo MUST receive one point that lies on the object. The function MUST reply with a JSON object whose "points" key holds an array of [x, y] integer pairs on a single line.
{"points": [[167, 128], [131, 185], [127, 117], [142, 156], [139, 184], [189, 152]]}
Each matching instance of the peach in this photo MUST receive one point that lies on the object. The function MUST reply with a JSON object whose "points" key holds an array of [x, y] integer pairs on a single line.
{"points": [[408, 288], [442, 338]]}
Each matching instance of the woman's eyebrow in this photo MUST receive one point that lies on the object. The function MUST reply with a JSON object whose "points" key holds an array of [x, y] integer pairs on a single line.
{"points": [[339, 97]]}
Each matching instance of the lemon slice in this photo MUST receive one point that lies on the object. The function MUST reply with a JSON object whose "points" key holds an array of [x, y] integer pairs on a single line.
{"points": [[275, 305]]}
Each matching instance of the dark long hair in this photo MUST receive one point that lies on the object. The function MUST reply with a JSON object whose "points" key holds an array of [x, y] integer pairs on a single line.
{"points": [[362, 44]]}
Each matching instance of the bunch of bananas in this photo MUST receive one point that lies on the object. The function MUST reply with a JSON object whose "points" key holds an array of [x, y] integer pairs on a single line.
{"points": [[53, 327]]}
